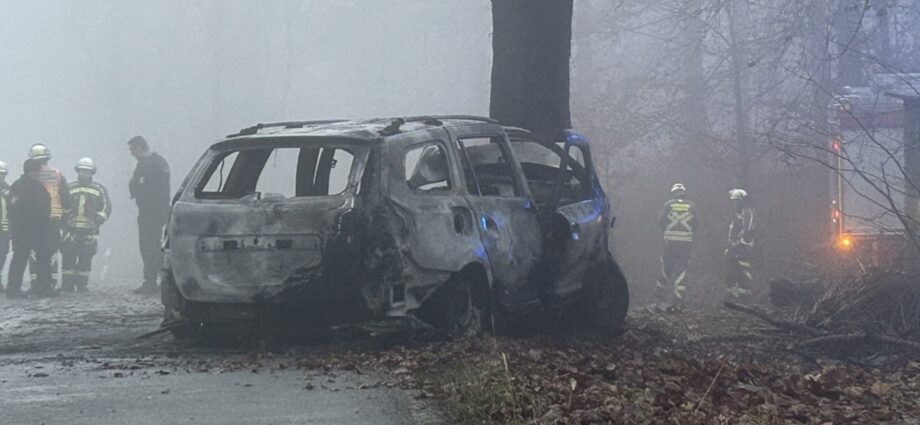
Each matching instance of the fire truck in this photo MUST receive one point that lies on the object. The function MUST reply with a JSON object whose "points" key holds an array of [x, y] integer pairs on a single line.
{"points": [[866, 153]]}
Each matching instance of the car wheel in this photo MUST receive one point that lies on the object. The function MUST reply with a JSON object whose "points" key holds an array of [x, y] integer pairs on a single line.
{"points": [[464, 317], [452, 308], [608, 301], [171, 298]]}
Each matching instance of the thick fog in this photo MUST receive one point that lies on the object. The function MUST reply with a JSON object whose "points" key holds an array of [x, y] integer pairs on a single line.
{"points": [[712, 94], [85, 76]]}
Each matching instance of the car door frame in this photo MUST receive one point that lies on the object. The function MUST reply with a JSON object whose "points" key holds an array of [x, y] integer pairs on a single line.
{"points": [[437, 229], [508, 226], [585, 223]]}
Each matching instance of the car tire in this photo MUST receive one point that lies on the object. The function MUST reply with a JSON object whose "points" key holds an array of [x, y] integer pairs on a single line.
{"points": [[464, 317], [453, 308], [172, 302], [608, 301]]}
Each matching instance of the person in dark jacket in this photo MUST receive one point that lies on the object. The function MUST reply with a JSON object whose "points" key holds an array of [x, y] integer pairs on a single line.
{"points": [[149, 187], [30, 223]]}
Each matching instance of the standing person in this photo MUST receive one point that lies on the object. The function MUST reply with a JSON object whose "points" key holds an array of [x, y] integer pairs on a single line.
{"points": [[4, 219], [676, 223], [90, 207], [738, 277], [56, 185], [150, 189], [30, 220]]}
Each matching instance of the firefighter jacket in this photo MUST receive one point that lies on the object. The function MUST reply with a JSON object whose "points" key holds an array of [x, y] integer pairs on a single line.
{"points": [[90, 207], [4, 208], [676, 220], [741, 229], [29, 209], [149, 186], [56, 185]]}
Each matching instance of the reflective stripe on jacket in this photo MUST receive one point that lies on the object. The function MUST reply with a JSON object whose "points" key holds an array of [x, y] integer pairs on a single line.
{"points": [[56, 185], [676, 219], [4, 214], [90, 207]]}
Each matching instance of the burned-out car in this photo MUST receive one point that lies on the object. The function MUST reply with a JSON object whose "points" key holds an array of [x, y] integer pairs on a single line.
{"points": [[321, 223]]}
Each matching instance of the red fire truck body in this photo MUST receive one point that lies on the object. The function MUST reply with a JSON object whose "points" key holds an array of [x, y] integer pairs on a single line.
{"points": [[866, 152]]}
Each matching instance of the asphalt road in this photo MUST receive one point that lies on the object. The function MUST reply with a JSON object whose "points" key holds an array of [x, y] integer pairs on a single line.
{"points": [[75, 360]]}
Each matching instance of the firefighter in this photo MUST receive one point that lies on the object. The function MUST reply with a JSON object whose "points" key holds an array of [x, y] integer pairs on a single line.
{"points": [[30, 219], [149, 187], [90, 208], [738, 276], [56, 185], [676, 222], [4, 219]]}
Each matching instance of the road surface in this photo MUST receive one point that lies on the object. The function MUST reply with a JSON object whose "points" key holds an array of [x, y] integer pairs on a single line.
{"points": [[76, 360]]}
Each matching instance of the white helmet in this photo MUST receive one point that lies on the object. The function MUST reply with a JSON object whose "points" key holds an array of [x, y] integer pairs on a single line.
{"points": [[737, 194], [86, 164], [678, 189], [3, 168], [39, 151]]}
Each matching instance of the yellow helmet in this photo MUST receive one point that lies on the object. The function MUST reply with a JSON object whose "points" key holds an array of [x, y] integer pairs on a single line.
{"points": [[3, 168], [737, 194]]}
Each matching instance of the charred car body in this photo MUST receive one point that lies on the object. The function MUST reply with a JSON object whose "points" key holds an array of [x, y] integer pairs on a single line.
{"points": [[442, 218]]}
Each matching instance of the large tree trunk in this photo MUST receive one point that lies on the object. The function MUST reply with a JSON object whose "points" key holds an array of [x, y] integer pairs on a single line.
{"points": [[743, 143], [531, 46]]}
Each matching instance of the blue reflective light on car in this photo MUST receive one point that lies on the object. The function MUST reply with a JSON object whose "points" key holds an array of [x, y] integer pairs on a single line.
{"points": [[572, 136]]}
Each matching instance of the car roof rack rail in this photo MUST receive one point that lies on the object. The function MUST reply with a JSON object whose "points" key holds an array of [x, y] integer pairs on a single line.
{"points": [[433, 118], [249, 131], [393, 128]]}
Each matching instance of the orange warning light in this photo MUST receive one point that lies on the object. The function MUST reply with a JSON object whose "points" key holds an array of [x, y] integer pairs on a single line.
{"points": [[844, 242]]}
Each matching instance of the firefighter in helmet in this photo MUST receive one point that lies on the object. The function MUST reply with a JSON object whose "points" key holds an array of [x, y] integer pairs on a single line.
{"points": [[90, 208], [676, 222], [738, 277], [4, 219], [56, 185]]}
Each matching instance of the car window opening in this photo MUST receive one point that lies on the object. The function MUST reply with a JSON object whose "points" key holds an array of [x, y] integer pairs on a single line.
{"points": [[279, 173], [487, 167]]}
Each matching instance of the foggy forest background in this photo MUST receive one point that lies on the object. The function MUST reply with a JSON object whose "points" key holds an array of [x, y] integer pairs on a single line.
{"points": [[711, 93]]}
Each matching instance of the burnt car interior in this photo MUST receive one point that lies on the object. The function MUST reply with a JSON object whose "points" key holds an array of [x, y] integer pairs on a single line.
{"points": [[279, 172], [487, 168], [550, 181], [426, 168]]}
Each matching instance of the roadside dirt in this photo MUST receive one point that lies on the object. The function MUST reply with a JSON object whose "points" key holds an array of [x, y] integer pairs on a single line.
{"points": [[701, 366]]}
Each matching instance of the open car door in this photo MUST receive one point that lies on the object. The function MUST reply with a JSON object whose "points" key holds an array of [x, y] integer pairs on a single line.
{"points": [[574, 211]]}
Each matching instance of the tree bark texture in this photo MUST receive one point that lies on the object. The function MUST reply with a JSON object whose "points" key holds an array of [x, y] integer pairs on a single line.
{"points": [[531, 49]]}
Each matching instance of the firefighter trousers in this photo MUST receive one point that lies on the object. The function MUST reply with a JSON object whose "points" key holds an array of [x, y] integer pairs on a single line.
{"points": [[77, 251], [738, 278], [675, 260], [53, 243]]}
